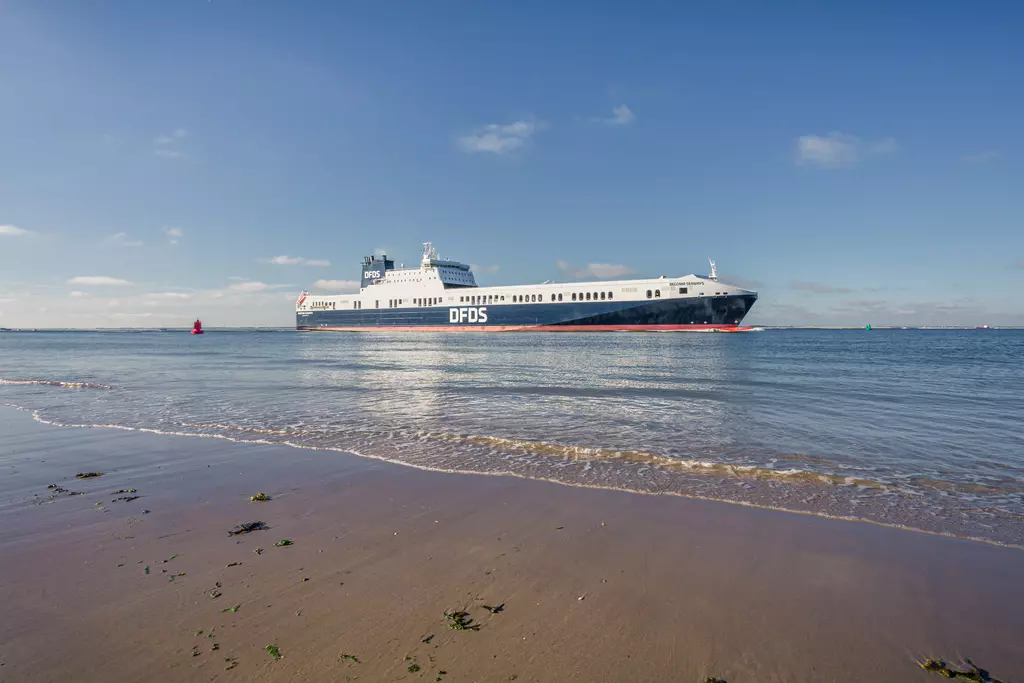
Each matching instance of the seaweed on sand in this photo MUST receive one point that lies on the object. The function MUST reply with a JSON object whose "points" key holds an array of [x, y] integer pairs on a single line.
{"points": [[351, 658], [88, 475], [494, 610], [247, 527], [259, 498], [460, 621], [274, 651], [971, 673]]}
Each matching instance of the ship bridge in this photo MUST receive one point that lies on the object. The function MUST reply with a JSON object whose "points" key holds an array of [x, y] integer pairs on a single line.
{"points": [[452, 274], [380, 270]]}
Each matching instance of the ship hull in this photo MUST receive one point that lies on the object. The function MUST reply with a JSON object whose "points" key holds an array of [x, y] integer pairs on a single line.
{"points": [[698, 314]]}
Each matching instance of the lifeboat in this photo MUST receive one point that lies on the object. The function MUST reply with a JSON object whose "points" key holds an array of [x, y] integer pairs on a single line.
{"points": [[197, 327]]}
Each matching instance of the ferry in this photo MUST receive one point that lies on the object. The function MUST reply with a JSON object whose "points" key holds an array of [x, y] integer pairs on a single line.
{"points": [[441, 295]]}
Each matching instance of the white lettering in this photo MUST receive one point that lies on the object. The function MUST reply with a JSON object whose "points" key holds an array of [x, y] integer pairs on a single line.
{"points": [[371, 273], [472, 315]]}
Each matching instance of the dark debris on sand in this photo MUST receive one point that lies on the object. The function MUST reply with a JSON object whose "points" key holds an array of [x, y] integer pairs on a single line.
{"points": [[247, 527], [971, 673]]}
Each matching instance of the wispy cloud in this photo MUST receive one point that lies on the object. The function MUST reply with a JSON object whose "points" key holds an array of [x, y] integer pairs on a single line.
{"points": [[121, 239], [174, 296], [981, 157], [819, 288], [839, 149], [13, 231], [484, 269], [173, 234], [296, 261], [498, 138], [249, 286], [171, 145], [337, 285], [77, 294], [621, 116], [98, 280], [596, 270]]}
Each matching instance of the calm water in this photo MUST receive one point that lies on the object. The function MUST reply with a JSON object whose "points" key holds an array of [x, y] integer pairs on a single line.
{"points": [[915, 428]]}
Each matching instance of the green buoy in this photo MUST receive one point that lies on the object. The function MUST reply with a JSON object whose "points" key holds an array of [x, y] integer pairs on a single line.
{"points": [[868, 327]]}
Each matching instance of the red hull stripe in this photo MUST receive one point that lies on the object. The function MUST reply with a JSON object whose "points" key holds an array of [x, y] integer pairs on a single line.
{"points": [[535, 328]]}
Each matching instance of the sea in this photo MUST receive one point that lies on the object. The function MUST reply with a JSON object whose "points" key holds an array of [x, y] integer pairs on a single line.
{"points": [[920, 429]]}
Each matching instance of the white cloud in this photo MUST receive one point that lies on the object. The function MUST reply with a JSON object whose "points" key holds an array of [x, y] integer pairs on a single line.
{"points": [[337, 285], [121, 239], [174, 234], [13, 231], [249, 286], [171, 295], [497, 138], [839, 149], [76, 294], [598, 270], [621, 116], [296, 261], [169, 146], [484, 269], [98, 280]]}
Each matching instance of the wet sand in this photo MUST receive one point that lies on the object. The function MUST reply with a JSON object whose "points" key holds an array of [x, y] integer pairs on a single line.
{"points": [[596, 585]]}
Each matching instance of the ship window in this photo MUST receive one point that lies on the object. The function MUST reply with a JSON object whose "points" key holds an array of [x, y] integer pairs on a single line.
{"points": [[682, 290], [376, 303], [574, 296], [602, 296], [502, 297], [588, 296], [461, 298], [657, 294], [559, 297], [609, 295], [648, 294]]}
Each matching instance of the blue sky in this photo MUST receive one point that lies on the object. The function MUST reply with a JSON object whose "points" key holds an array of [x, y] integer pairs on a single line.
{"points": [[854, 162]]}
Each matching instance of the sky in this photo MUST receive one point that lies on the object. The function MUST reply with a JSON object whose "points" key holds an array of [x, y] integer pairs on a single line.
{"points": [[854, 162]]}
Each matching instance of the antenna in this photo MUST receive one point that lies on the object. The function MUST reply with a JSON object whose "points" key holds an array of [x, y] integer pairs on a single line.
{"points": [[714, 270]]}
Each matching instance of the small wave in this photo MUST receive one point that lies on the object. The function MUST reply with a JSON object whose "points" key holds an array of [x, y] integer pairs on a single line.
{"points": [[64, 384], [36, 415]]}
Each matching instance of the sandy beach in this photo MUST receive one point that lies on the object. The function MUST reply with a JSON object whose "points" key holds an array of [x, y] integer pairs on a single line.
{"points": [[595, 585]]}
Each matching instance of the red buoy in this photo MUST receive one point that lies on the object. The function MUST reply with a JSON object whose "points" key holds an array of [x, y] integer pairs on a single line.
{"points": [[197, 327]]}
